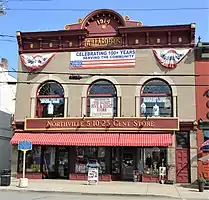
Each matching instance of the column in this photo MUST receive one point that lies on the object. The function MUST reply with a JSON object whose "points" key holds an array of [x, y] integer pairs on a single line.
{"points": [[193, 155], [33, 107], [171, 160]]}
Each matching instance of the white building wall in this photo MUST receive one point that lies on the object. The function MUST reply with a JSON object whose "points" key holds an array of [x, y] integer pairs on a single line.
{"points": [[7, 92]]}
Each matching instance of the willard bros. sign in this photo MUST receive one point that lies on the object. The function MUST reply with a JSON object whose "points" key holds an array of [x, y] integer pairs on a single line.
{"points": [[101, 124]]}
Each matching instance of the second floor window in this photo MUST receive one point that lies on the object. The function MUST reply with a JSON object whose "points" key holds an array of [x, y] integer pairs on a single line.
{"points": [[156, 99], [50, 100], [102, 99]]}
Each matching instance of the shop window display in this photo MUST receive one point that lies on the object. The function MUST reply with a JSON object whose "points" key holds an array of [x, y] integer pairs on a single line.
{"points": [[156, 99], [33, 160], [50, 100], [102, 99], [84, 155], [153, 159]]}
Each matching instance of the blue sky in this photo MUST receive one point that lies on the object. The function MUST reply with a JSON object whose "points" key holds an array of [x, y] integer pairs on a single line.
{"points": [[16, 20]]}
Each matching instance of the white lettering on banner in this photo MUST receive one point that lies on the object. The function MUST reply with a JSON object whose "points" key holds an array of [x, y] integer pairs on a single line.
{"points": [[170, 57], [48, 100], [33, 62], [105, 58], [155, 99], [101, 107]]}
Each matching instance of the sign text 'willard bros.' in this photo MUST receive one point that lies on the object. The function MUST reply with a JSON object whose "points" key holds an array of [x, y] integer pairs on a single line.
{"points": [[104, 41], [79, 124]]}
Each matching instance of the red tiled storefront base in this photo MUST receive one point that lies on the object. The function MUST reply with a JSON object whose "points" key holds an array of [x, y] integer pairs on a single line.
{"points": [[30, 175], [83, 177], [150, 179]]}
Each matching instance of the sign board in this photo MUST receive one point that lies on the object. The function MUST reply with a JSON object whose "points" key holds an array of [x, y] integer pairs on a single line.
{"points": [[162, 171], [103, 59], [103, 41], [93, 175], [101, 107], [25, 145], [102, 124]]}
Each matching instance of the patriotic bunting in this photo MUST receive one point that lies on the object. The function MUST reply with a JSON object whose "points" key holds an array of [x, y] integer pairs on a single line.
{"points": [[169, 58], [34, 62]]}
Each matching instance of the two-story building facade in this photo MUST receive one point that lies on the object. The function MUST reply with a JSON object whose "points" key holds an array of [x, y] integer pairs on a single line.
{"points": [[202, 104], [107, 89]]}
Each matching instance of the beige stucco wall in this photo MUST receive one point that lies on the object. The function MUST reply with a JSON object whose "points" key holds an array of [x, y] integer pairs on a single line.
{"points": [[145, 64]]}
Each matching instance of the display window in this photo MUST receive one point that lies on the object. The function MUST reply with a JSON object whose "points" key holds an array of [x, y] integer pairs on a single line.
{"points": [[50, 100], [85, 155], [32, 161], [154, 158], [156, 99], [102, 99]]}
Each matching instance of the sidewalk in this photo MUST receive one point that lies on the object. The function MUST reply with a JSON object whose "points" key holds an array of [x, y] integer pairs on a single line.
{"points": [[110, 188]]}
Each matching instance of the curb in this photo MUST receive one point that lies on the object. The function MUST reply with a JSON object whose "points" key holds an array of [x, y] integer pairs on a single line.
{"points": [[87, 193]]}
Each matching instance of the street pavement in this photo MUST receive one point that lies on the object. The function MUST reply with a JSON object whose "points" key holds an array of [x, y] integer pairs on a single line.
{"points": [[26, 195], [113, 189]]}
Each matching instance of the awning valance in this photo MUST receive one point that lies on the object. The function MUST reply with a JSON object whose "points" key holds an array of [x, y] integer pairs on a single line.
{"points": [[87, 139]]}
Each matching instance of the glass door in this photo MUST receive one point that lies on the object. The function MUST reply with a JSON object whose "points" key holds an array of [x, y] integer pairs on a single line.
{"points": [[62, 160]]}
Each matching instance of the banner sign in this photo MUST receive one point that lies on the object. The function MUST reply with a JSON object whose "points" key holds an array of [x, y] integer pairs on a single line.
{"points": [[52, 100], [34, 62], [101, 107], [103, 59], [169, 58]]}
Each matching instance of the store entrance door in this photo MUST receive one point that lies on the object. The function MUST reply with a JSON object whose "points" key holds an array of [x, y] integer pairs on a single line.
{"points": [[62, 155], [128, 162], [182, 157]]}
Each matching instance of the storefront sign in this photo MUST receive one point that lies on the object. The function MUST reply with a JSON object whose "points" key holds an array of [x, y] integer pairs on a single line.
{"points": [[102, 124], [103, 59], [101, 107], [170, 57], [103, 41]]}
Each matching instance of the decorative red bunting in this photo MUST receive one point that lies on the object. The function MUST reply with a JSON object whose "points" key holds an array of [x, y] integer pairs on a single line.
{"points": [[169, 58], [34, 62]]}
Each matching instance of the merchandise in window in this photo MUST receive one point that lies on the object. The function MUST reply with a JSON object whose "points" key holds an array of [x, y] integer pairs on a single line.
{"points": [[84, 155], [153, 159], [156, 99], [50, 100], [32, 161]]}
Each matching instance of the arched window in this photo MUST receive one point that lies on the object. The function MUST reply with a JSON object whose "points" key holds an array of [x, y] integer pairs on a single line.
{"points": [[156, 99], [102, 99], [50, 100]]}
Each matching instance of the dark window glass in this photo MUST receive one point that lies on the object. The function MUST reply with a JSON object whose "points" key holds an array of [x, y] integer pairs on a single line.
{"points": [[33, 160], [153, 159], [50, 100], [84, 155], [51, 88], [102, 87], [156, 99], [104, 94], [156, 86], [206, 135], [182, 140]]}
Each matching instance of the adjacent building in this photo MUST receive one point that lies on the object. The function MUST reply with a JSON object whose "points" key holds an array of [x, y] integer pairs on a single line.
{"points": [[7, 105], [202, 102], [111, 90]]}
